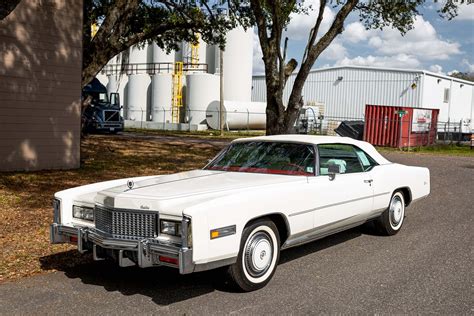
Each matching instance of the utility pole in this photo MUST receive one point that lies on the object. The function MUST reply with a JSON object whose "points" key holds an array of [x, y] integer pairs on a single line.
{"points": [[221, 105]]}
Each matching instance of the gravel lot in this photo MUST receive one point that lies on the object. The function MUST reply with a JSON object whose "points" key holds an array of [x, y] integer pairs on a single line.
{"points": [[426, 268]]}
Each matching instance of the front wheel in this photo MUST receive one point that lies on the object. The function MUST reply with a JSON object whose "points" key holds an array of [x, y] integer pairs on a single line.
{"points": [[391, 220], [258, 256]]}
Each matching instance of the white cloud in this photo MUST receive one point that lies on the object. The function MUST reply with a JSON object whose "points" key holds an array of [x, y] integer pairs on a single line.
{"points": [[355, 32], [422, 41], [258, 65], [398, 61], [465, 11], [300, 24], [335, 51], [468, 65], [436, 68]]}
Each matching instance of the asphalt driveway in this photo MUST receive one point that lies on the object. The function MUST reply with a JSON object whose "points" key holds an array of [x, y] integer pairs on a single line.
{"points": [[426, 268]]}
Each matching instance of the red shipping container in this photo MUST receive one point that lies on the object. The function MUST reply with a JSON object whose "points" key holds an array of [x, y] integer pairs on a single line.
{"points": [[400, 126]]}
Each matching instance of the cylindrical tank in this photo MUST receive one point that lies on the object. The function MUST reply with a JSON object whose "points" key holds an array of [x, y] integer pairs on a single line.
{"points": [[160, 55], [161, 95], [138, 54], [137, 97], [238, 115], [201, 91], [187, 56], [238, 60], [112, 84]]}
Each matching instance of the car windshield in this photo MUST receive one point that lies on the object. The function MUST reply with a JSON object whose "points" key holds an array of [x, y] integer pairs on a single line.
{"points": [[266, 157]]}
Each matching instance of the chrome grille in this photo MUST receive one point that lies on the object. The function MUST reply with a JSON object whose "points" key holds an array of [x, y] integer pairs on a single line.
{"points": [[126, 224]]}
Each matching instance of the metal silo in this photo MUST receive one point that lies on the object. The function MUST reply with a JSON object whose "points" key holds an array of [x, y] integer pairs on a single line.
{"points": [[162, 85], [160, 56], [137, 96], [238, 58], [202, 90], [137, 90]]}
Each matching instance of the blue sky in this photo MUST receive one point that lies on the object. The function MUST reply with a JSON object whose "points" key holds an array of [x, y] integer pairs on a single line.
{"points": [[434, 44]]}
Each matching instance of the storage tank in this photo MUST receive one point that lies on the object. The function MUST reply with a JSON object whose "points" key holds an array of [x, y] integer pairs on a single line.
{"points": [[238, 60], [160, 55], [238, 115], [138, 54], [201, 90], [186, 52], [137, 97], [112, 84], [161, 95]]}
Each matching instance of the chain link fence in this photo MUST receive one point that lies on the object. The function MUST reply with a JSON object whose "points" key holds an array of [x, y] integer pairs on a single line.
{"points": [[400, 131]]}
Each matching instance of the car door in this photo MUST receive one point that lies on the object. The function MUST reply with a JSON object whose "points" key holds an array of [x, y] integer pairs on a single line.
{"points": [[346, 198]]}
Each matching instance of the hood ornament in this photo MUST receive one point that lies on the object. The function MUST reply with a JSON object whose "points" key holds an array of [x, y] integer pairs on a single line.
{"points": [[130, 184]]}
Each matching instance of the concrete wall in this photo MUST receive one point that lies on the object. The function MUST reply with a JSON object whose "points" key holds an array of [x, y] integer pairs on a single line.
{"points": [[40, 85]]}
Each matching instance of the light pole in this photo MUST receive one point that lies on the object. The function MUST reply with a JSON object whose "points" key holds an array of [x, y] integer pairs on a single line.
{"points": [[221, 105]]}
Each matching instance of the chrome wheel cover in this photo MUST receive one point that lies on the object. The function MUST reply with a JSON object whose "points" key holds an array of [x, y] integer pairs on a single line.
{"points": [[258, 254], [396, 212]]}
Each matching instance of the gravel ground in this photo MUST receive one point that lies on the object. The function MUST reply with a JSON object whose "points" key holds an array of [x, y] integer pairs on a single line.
{"points": [[426, 268]]}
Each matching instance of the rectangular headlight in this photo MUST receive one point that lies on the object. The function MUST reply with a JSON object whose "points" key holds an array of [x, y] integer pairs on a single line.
{"points": [[83, 212], [170, 227]]}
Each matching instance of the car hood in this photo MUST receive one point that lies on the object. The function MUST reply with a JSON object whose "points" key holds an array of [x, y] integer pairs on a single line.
{"points": [[171, 194]]}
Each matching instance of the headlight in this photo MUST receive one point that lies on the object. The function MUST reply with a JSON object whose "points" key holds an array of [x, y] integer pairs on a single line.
{"points": [[83, 212], [170, 227]]}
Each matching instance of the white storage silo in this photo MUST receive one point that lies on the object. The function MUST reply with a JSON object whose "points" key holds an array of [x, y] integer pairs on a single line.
{"points": [[238, 60], [138, 54], [162, 85], [238, 115], [112, 84], [201, 90], [137, 97], [160, 56], [187, 56]]}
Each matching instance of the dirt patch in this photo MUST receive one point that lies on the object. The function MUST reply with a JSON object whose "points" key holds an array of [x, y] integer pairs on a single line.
{"points": [[26, 197]]}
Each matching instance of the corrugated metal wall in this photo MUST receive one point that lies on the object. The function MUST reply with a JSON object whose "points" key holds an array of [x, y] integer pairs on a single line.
{"points": [[346, 98]]}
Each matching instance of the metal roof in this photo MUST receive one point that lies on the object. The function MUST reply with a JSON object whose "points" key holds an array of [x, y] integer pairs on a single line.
{"points": [[425, 72]]}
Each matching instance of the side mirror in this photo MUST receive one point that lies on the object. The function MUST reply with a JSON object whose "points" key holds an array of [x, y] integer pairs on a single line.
{"points": [[333, 169]]}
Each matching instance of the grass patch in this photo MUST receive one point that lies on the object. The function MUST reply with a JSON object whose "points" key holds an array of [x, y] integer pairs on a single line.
{"points": [[211, 134], [438, 149], [26, 197]]}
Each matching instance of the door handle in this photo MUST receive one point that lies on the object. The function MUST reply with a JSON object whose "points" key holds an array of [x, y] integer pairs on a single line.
{"points": [[368, 181]]}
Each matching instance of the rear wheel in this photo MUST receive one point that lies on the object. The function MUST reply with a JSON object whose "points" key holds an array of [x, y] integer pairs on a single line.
{"points": [[258, 256], [391, 220]]}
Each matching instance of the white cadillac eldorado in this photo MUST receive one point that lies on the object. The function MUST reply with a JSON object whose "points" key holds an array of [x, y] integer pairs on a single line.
{"points": [[256, 197]]}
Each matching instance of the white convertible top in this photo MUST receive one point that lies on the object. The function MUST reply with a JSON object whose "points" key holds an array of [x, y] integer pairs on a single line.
{"points": [[316, 140]]}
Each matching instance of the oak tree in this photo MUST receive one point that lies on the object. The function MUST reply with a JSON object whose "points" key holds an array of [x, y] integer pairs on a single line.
{"points": [[271, 17]]}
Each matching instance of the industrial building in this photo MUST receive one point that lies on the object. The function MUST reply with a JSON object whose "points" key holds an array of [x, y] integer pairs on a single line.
{"points": [[181, 89], [344, 92]]}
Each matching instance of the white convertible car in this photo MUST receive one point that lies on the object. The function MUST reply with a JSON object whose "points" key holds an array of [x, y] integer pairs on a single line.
{"points": [[257, 197]]}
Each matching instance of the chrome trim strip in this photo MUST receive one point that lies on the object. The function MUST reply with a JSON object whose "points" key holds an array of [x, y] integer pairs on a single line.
{"points": [[314, 234], [339, 203]]}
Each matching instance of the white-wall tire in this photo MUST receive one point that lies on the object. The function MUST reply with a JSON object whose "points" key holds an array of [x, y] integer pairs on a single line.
{"points": [[258, 256], [391, 220]]}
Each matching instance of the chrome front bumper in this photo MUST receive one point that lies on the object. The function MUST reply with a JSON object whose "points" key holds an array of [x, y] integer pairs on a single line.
{"points": [[145, 252]]}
